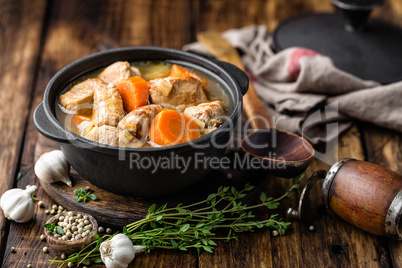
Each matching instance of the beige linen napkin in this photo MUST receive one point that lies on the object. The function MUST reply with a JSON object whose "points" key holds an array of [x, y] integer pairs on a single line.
{"points": [[305, 93]]}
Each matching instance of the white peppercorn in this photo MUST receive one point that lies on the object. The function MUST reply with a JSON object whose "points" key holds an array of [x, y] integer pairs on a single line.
{"points": [[13, 249], [101, 229], [55, 207], [45, 249], [108, 230], [275, 233], [41, 204], [42, 237], [29, 265], [63, 256], [74, 227], [70, 264], [47, 212]]}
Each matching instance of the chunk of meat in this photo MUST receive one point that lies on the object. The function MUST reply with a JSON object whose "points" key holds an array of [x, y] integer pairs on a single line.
{"points": [[211, 113], [138, 121], [112, 136], [80, 96], [104, 135], [108, 106], [185, 91], [118, 71]]}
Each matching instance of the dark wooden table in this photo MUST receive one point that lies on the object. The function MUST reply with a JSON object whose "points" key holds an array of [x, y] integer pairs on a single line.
{"points": [[38, 38]]}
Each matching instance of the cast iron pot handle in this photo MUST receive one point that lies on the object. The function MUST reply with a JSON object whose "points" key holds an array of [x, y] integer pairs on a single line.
{"points": [[240, 76], [46, 128]]}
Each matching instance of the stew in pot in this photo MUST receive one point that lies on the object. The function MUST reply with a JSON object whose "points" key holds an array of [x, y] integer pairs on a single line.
{"points": [[143, 104]]}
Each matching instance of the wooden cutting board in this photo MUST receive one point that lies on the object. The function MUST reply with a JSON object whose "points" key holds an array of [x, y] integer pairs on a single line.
{"points": [[116, 210]]}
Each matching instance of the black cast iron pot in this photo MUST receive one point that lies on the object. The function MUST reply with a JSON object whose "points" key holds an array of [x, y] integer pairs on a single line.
{"points": [[133, 172]]}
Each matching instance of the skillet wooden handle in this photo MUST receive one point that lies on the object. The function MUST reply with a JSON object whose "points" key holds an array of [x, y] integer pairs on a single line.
{"points": [[365, 195], [223, 50]]}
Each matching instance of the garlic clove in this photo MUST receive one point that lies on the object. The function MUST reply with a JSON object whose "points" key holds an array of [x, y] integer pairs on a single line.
{"points": [[117, 252], [17, 204], [53, 167]]}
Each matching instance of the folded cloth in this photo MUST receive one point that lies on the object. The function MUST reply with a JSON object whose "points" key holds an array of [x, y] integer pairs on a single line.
{"points": [[305, 93]]}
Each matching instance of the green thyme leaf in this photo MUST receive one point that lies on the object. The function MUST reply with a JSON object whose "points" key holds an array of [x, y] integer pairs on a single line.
{"points": [[48, 225], [93, 197], [59, 230], [98, 260]]}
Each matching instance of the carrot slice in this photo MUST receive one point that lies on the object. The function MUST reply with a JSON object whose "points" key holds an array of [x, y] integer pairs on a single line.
{"points": [[178, 71], [170, 127], [134, 92]]}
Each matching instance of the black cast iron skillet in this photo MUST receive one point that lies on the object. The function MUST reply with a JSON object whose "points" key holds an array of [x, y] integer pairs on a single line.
{"points": [[133, 172]]}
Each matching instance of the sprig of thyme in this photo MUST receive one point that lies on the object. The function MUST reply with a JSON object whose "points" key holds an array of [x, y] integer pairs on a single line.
{"points": [[83, 195], [194, 226]]}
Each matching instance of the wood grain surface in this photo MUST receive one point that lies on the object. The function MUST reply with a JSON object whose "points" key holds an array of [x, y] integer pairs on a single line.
{"points": [[39, 37]]}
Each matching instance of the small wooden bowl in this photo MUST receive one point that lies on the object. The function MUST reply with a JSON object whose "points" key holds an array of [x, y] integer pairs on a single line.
{"points": [[71, 246]]}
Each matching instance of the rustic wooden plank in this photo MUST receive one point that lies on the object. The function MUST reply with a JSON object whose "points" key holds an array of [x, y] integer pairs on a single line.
{"points": [[157, 23], [391, 11], [384, 147], [77, 29], [20, 34], [225, 14]]}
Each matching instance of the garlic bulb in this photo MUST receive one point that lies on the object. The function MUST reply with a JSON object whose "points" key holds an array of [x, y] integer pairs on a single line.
{"points": [[119, 251], [52, 167], [17, 204]]}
